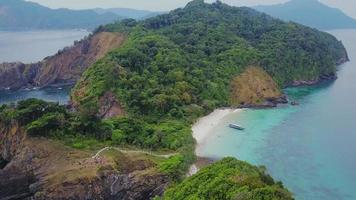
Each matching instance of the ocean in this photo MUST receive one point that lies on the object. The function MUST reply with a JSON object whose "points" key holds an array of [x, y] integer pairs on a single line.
{"points": [[53, 94], [309, 147], [33, 46]]}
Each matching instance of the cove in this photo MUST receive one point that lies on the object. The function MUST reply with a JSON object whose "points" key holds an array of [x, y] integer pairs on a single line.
{"points": [[309, 147], [52, 94]]}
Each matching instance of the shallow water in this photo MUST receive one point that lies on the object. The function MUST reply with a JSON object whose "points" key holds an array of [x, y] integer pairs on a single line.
{"points": [[309, 147], [33, 46]]}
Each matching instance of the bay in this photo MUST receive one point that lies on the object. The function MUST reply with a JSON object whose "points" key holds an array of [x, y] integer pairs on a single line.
{"points": [[52, 94], [309, 147], [33, 46]]}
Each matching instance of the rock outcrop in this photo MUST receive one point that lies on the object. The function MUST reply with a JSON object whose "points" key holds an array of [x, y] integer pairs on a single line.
{"points": [[322, 78], [109, 106], [65, 67], [255, 88], [39, 168]]}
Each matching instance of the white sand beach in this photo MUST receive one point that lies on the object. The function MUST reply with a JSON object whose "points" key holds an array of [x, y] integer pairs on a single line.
{"points": [[202, 129]]}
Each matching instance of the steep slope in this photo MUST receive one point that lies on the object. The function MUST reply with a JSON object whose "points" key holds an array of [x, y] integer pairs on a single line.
{"points": [[63, 68], [36, 165], [310, 13], [189, 56], [229, 179], [45, 169], [22, 15], [170, 70], [69, 64], [177, 67], [254, 87]]}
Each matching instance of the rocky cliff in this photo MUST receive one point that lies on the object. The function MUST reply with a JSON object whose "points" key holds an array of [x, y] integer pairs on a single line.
{"points": [[63, 68], [44, 169], [255, 88]]}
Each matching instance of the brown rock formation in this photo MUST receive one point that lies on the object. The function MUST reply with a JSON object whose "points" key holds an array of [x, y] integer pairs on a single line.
{"points": [[255, 88], [109, 106], [63, 68], [43, 169]]}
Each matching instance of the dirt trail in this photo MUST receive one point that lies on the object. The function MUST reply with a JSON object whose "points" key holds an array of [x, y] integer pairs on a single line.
{"points": [[132, 151]]}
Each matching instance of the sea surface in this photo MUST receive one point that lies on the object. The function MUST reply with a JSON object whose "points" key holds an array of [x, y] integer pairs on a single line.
{"points": [[33, 46], [52, 94], [311, 148]]}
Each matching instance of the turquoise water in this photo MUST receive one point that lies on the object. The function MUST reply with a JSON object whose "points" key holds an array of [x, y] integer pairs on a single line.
{"points": [[52, 94], [309, 147]]}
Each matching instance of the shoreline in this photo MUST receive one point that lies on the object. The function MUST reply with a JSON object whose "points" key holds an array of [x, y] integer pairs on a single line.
{"points": [[204, 126], [202, 130]]}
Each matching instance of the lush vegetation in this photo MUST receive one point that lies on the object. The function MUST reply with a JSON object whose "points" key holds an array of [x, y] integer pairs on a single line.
{"points": [[229, 179], [45, 119], [86, 131], [173, 69], [188, 57], [176, 67]]}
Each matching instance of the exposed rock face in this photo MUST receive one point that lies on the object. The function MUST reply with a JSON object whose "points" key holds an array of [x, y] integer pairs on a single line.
{"points": [[43, 169], [16, 75], [11, 138], [255, 88], [109, 106], [65, 67], [326, 77]]}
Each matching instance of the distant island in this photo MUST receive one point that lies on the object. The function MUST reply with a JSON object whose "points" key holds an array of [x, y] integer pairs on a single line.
{"points": [[310, 13], [128, 12], [26, 15]]}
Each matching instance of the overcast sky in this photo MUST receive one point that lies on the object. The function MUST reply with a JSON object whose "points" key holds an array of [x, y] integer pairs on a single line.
{"points": [[348, 6]]}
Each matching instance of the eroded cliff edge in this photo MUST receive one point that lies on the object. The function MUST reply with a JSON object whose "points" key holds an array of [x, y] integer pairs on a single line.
{"points": [[65, 67], [38, 168]]}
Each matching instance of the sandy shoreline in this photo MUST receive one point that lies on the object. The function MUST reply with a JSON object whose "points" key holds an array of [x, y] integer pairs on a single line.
{"points": [[202, 129]]}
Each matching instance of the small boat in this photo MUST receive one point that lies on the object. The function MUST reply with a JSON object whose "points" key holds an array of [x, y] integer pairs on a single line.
{"points": [[60, 88], [294, 103], [235, 126]]}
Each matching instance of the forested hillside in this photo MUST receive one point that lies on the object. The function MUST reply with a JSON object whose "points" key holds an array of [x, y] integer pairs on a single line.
{"points": [[176, 67], [171, 70], [229, 179], [186, 59]]}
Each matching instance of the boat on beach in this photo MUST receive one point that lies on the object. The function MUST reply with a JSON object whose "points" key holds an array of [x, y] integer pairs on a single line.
{"points": [[235, 126]]}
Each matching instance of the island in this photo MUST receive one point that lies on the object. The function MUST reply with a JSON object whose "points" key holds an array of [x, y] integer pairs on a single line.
{"points": [[126, 133]]}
